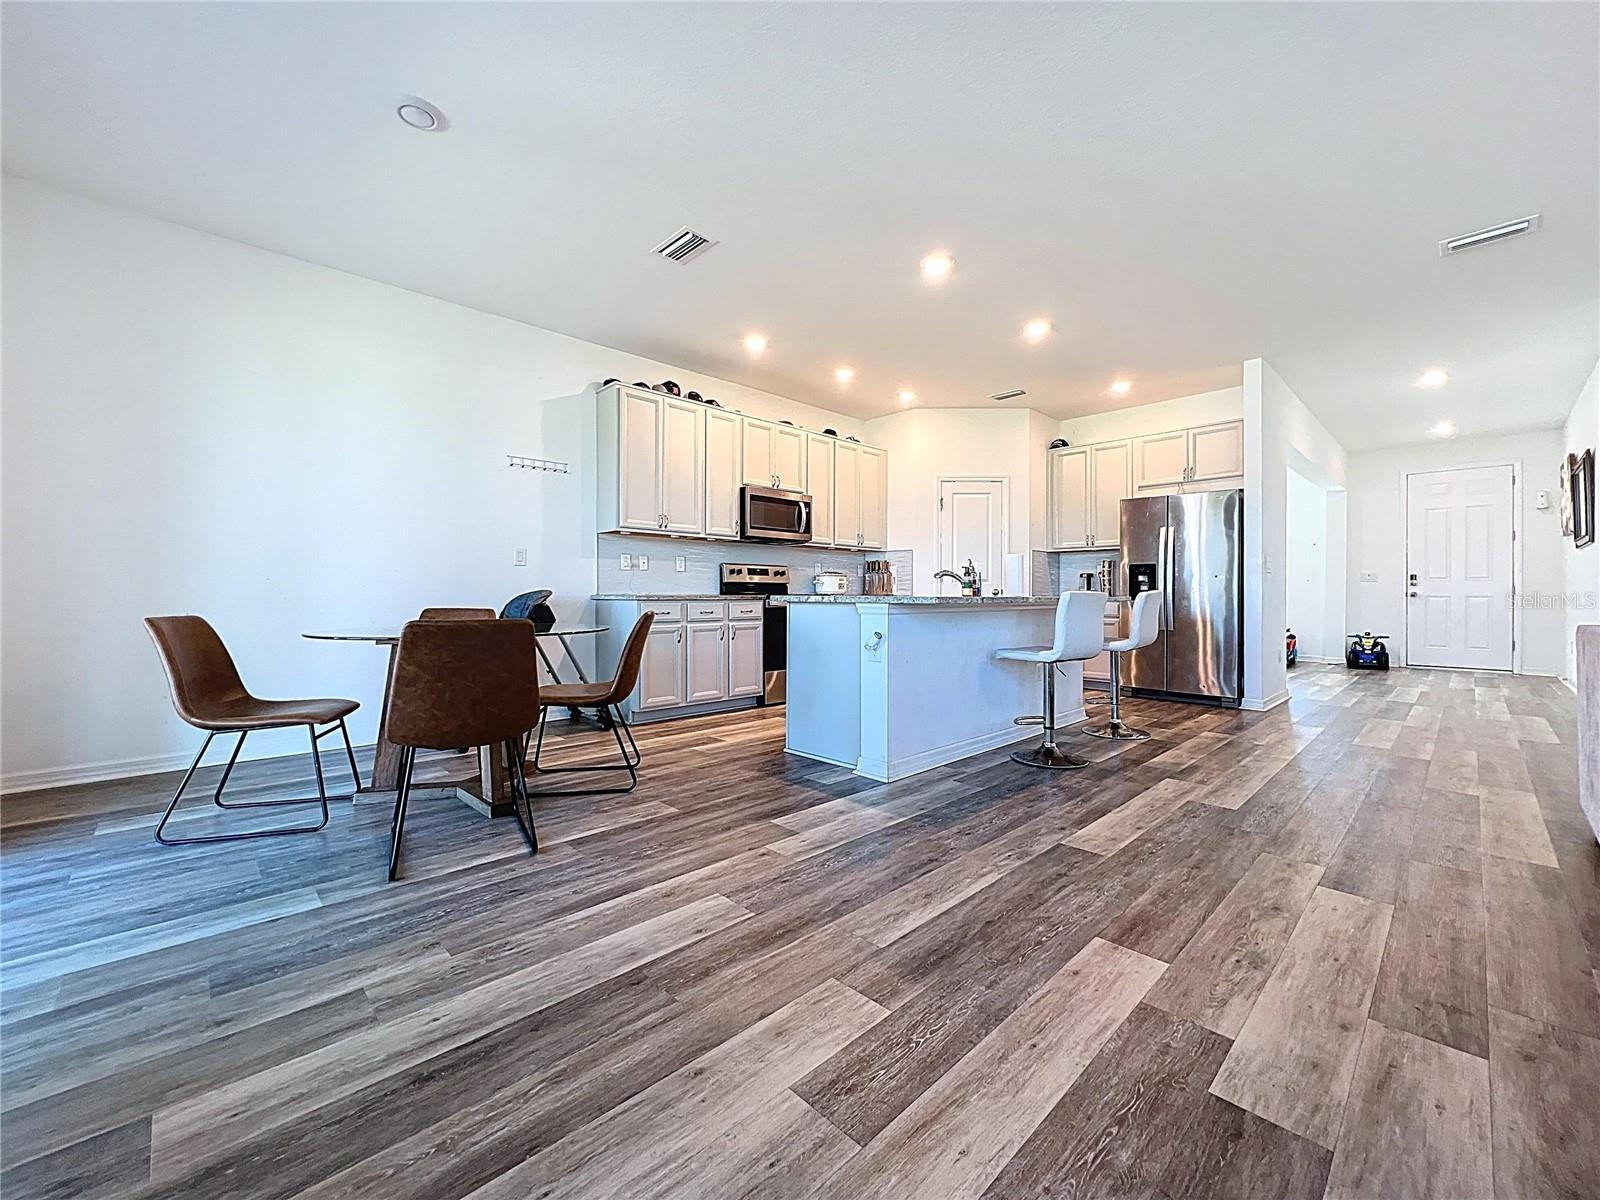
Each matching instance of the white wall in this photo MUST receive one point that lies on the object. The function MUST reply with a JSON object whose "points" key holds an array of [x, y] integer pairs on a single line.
{"points": [[1378, 535], [927, 443], [1279, 432], [1581, 565], [193, 425]]}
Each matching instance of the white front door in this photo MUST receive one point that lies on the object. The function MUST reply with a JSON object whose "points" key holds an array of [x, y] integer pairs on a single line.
{"points": [[972, 525], [1458, 564]]}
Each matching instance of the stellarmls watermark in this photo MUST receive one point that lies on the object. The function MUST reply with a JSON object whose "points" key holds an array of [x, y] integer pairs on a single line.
{"points": [[1578, 601]]}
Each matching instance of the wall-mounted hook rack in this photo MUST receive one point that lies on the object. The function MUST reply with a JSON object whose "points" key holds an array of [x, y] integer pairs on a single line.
{"points": [[523, 463]]}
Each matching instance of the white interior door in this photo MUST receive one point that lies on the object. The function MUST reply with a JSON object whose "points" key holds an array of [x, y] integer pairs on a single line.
{"points": [[972, 524], [1459, 572]]}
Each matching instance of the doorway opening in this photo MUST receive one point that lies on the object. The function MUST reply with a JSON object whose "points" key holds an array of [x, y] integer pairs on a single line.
{"points": [[1314, 568]]}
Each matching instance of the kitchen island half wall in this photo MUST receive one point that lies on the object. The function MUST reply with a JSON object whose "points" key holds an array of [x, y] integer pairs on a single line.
{"points": [[890, 686]]}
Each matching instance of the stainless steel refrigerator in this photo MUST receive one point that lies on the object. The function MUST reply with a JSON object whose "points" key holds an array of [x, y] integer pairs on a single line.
{"points": [[1191, 547]]}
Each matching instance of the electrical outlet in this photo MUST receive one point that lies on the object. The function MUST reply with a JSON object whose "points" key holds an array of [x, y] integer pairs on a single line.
{"points": [[626, 562], [521, 558], [642, 563], [1369, 577], [681, 563]]}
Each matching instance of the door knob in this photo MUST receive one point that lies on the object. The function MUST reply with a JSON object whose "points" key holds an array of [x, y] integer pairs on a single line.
{"points": [[1413, 595]]}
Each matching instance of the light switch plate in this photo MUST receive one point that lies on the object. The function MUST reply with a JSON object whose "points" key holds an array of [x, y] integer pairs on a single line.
{"points": [[625, 561], [521, 557], [1369, 577]]}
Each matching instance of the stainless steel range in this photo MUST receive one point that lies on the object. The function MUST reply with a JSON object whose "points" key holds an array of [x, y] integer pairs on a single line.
{"points": [[758, 579]]}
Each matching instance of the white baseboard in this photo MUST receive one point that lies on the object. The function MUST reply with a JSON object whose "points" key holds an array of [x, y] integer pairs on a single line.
{"points": [[1270, 702], [902, 767], [1317, 658], [45, 778]]}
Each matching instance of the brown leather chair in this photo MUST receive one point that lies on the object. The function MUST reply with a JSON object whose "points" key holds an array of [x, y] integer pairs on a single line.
{"points": [[604, 696], [457, 683], [208, 693], [456, 614]]}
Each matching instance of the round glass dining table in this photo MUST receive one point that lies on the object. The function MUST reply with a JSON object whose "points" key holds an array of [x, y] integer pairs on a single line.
{"points": [[491, 795]]}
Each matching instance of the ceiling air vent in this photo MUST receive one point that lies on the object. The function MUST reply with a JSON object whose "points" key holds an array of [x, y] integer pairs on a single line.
{"points": [[1011, 395], [1483, 237], [684, 245]]}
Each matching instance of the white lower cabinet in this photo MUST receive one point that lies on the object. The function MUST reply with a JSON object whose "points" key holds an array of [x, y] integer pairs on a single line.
{"points": [[700, 654], [661, 672], [745, 674], [705, 662]]}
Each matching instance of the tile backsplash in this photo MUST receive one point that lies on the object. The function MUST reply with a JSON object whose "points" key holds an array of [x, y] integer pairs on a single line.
{"points": [[702, 560]]}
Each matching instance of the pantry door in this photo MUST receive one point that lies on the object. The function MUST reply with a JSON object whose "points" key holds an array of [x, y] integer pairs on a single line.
{"points": [[1459, 577], [972, 524]]}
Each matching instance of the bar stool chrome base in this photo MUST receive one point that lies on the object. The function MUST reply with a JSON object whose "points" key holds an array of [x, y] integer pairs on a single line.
{"points": [[1049, 755], [1115, 730]]}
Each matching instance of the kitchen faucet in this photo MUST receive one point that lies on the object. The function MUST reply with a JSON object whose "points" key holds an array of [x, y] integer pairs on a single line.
{"points": [[970, 581]]}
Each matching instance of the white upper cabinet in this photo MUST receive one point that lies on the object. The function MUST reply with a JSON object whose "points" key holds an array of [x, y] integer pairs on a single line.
{"points": [[1161, 460], [860, 497], [1216, 451], [1086, 486], [1110, 483], [683, 466], [873, 499], [789, 457], [1203, 454], [1068, 486], [724, 472], [846, 494], [774, 455], [669, 465], [819, 482], [633, 459]]}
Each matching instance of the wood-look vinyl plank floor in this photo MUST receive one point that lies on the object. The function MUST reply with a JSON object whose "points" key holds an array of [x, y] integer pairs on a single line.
{"points": [[1262, 954]]}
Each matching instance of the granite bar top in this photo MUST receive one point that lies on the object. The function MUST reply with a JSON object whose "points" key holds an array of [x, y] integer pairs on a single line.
{"points": [[928, 601]]}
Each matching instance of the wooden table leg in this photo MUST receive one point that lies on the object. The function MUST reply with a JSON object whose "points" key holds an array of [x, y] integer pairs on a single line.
{"points": [[385, 754], [494, 776]]}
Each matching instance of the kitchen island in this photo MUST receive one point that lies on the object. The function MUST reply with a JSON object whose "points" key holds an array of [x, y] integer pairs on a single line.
{"points": [[893, 685]]}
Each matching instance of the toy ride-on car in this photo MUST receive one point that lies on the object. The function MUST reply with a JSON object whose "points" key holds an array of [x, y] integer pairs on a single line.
{"points": [[1367, 652]]}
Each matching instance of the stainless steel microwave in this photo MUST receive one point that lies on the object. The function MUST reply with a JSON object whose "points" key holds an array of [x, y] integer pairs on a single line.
{"points": [[774, 515]]}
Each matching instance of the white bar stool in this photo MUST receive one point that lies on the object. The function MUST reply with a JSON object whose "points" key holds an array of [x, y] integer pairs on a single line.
{"points": [[1079, 629], [1142, 629]]}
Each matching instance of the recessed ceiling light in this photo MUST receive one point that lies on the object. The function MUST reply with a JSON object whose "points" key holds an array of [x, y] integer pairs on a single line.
{"points": [[1442, 429], [1036, 330], [1121, 387], [843, 375], [755, 343], [1432, 378], [937, 266], [907, 396], [1011, 394], [419, 114]]}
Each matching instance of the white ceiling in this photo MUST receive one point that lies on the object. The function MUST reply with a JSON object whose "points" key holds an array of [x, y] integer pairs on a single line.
{"points": [[1178, 187]]}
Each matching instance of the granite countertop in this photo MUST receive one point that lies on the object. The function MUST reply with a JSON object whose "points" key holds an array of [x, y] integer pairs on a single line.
{"points": [[927, 601], [655, 596]]}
